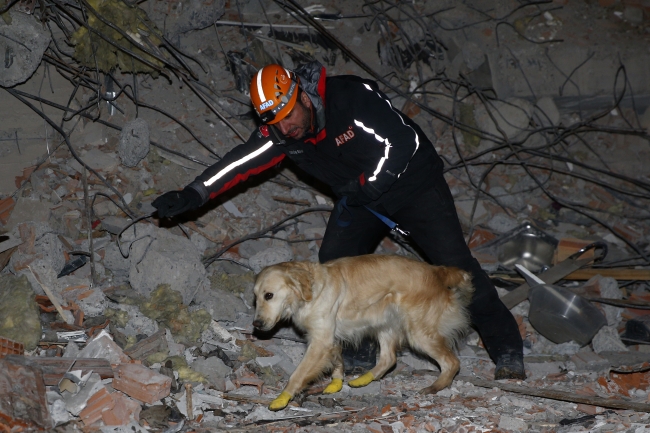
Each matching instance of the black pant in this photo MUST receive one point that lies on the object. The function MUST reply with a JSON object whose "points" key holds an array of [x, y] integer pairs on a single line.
{"points": [[433, 223]]}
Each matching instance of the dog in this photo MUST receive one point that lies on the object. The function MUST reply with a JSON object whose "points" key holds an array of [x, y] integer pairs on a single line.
{"points": [[397, 300]]}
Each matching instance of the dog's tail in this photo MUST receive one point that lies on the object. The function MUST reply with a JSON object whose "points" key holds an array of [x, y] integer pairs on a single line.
{"points": [[455, 320], [460, 282]]}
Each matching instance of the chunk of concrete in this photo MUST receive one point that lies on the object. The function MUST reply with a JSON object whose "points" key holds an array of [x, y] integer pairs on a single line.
{"points": [[546, 113], [134, 142], [507, 119], [75, 403], [270, 256], [21, 58], [102, 346], [214, 370], [160, 257], [220, 304], [608, 340]]}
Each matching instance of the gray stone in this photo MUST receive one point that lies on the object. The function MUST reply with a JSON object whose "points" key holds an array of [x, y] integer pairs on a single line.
{"points": [[633, 14], [56, 408], [180, 17], [608, 340], [512, 117], [138, 323], [266, 202], [97, 160], [464, 208], [213, 369], [114, 224], [268, 361], [587, 360], [220, 304], [473, 55], [539, 370], [373, 388], [250, 248], [502, 223], [71, 350], [270, 256], [77, 402], [134, 142], [161, 257], [30, 210], [546, 113], [116, 263], [301, 194], [511, 423], [24, 42]]}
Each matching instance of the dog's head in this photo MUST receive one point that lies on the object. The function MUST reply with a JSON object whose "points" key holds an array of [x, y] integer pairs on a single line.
{"points": [[279, 291]]}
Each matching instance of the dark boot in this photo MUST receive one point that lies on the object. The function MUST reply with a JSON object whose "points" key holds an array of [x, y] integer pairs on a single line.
{"points": [[510, 365], [358, 360]]}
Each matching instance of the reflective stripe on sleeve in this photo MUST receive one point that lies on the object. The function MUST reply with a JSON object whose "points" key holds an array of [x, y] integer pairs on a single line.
{"points": [[237, 163]]}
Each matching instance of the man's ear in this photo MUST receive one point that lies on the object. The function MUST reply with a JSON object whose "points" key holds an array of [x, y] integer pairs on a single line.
{"points": [[305, 99]]}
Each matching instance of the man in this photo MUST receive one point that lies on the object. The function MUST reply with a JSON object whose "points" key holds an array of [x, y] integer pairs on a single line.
{"points": [[344, 131]]}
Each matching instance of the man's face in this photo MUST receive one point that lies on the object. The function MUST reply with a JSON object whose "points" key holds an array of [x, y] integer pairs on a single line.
{"points": [[298, 122]]}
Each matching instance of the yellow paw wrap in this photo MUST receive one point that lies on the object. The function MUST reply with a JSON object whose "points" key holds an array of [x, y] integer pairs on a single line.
{"points": [[362, 380], [335, 386], [281, 402]]}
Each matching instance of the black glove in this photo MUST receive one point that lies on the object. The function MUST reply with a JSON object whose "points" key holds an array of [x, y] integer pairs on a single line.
{"points": [[173, 203], [357, 194]]}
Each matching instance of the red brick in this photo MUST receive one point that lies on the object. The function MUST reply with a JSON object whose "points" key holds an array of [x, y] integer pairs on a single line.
{"points": [[479, 237], [6, 206], [100, 402], [630, 233], [590, 410], [568, 246], [124, 411], [141, 383]]}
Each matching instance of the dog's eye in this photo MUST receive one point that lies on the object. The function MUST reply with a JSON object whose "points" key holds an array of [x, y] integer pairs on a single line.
{"points": [[268, 296]]}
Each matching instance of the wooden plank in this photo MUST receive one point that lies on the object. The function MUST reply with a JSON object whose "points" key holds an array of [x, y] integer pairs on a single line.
{"points": [[556, 273], [558, 395], [54, 368], [616, 273]]}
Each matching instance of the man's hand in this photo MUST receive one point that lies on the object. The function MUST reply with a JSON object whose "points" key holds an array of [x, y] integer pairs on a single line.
{"points": [[357, 194], [174, 203]]}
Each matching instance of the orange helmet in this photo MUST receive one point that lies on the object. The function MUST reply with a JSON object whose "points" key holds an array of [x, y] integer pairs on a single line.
{"points": [[274, 92]]}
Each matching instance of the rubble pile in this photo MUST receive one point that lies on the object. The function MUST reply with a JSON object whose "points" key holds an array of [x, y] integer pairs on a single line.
{"points": [[114, 320]]}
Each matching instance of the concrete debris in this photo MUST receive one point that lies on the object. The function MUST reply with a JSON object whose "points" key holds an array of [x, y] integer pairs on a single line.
{"points": [[155, 332], [134, 142], [23, 45]]}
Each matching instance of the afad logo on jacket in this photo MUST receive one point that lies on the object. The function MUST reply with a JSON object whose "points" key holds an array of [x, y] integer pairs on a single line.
{"points": [[345, 137]]}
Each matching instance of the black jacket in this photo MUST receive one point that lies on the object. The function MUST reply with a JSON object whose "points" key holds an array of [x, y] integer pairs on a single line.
{"points": [[364, 148]]}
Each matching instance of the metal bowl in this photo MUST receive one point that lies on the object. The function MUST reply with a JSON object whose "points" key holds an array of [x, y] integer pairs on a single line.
{"points": [[524, 245], [561, 315]]}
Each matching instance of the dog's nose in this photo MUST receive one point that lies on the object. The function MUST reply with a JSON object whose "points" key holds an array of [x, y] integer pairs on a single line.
{"points": [[258, 323]]}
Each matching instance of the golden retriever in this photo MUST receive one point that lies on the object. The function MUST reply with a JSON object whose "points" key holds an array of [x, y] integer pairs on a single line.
{"points": [[393, 298]]}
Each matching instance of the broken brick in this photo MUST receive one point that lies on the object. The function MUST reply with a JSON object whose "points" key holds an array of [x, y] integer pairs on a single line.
{"points": [[141, 383], [124, 410], [100, 402]]}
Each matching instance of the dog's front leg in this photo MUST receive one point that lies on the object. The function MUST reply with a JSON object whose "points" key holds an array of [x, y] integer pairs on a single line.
{"points": [[317, 357], [337, 372]]}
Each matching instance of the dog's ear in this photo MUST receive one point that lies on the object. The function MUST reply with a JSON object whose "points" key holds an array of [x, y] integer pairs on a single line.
{"points": [[300, 274]]}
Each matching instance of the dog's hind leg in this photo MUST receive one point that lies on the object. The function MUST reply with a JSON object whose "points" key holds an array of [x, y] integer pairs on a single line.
{"points": [[337, 372], [388, 343], [438, 349]]}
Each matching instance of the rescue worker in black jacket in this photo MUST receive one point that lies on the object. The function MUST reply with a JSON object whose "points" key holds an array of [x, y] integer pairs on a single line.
{"points": [[344, 131]]}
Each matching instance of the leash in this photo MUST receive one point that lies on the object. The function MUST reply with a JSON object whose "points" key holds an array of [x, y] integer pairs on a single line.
{"points": [[342, 204]]}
